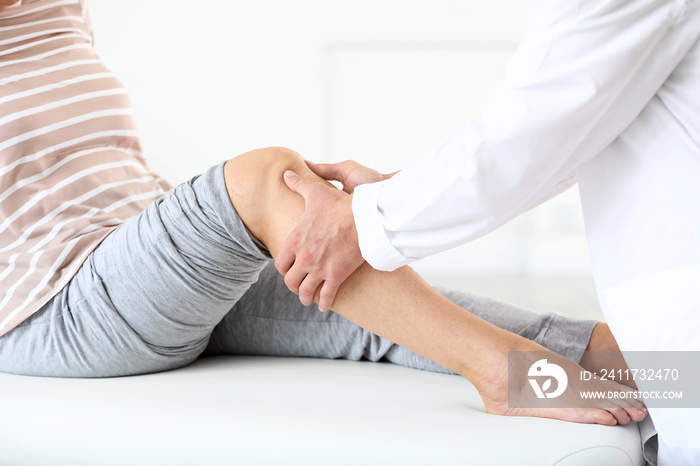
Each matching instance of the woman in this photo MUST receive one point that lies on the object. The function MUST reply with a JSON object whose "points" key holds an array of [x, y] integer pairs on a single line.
{"points": [[107, 271]]}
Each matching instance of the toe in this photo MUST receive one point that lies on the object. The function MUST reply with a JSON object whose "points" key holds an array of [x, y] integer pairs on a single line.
{"points": [[637, 414], [621, 416], [603, 417]]}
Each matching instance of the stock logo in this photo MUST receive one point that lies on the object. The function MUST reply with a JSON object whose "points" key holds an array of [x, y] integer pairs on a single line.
{"points": [[542, 369]]}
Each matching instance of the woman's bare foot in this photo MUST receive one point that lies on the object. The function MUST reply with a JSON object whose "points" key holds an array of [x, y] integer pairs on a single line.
{"points": [[493, 385], [603, 357]]}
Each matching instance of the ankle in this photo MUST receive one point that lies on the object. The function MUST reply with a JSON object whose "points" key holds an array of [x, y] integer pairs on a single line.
{"points": [[489, 365]]}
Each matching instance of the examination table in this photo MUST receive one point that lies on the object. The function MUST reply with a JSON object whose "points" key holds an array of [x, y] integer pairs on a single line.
{"points": [[285, 411]]}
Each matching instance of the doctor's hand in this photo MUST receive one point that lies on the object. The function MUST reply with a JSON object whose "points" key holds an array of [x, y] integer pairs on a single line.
{"points": [[350, 173], [322, 251]]}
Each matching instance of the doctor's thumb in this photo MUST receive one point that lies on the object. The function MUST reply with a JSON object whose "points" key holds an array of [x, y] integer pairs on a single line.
{"points": [[296, 183]]}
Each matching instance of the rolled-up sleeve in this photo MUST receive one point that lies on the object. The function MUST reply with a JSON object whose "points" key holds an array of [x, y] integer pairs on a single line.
{"points": [[582, 73]]}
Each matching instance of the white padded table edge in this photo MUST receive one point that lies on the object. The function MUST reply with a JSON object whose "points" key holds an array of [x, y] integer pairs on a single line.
{"points": [[258, 410]]}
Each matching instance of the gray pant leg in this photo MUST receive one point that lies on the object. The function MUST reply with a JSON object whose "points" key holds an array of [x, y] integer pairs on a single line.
{"points": [[148, 298], [566, 336], [269, 320]]}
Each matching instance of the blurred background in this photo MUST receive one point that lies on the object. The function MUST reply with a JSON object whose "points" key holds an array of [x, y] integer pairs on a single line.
{"points": [[377, 81]]}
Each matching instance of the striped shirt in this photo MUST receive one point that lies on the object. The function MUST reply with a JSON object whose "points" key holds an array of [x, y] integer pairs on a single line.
{"points": [[71, 168]]}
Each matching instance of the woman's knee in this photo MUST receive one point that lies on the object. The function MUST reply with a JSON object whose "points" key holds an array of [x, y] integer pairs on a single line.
{"points": [[255, 184], [254, 171]]}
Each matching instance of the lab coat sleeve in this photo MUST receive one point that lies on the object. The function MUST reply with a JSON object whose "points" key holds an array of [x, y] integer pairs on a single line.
{"points": [[582, 73]]}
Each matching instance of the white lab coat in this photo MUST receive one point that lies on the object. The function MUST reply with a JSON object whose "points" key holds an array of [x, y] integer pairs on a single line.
{"points": [[606, 92]]}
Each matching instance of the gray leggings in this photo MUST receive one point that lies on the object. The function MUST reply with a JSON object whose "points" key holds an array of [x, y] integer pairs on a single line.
{"points": [[185, 279]]}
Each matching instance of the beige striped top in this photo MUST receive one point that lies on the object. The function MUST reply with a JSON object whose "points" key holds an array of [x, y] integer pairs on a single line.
{"points": [[71, 168]]}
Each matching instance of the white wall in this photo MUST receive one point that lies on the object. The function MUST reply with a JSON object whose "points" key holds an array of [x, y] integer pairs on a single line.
{"points": [[379, 81]]}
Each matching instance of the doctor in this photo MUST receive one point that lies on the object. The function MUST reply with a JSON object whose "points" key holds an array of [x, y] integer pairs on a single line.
{"points": [[603, 92]]}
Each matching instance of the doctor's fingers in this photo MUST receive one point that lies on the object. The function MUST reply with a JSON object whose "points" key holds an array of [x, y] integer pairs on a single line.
{"points": [[328, 171], [308, 288], [328, 294], [294, 277], [286, 257]]}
